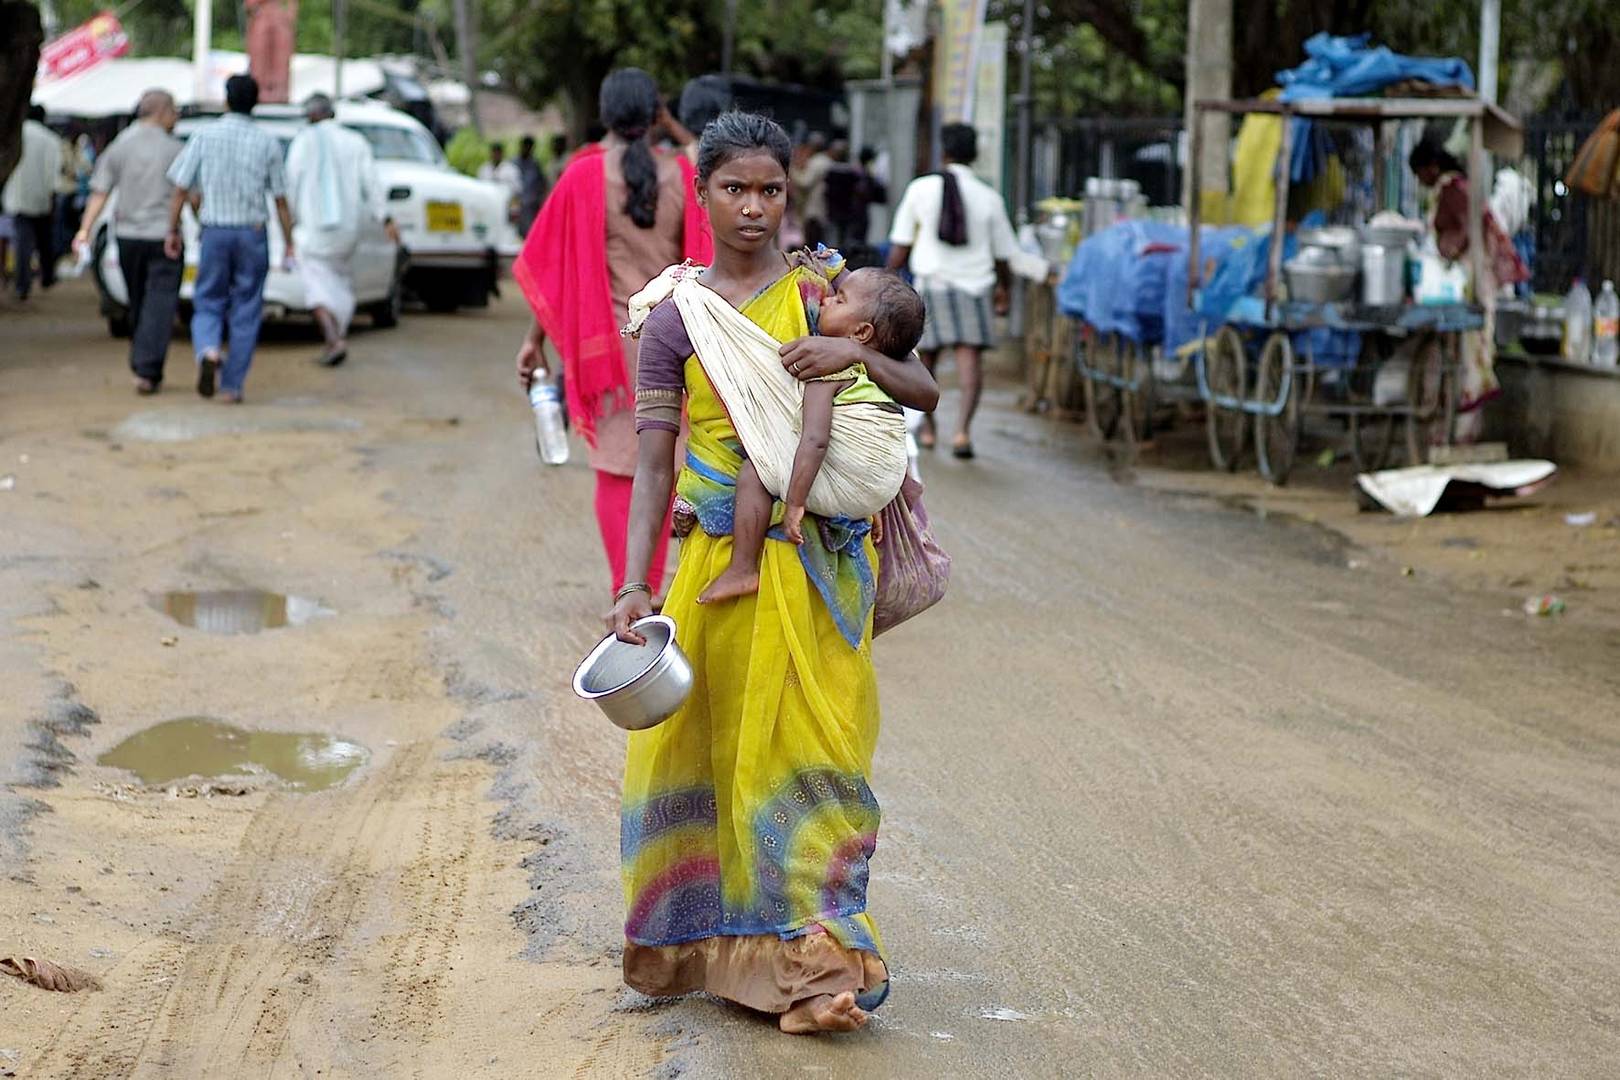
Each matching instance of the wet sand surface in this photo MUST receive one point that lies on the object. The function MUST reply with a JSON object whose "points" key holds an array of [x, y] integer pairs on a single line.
{"points": [[1168, 789]]}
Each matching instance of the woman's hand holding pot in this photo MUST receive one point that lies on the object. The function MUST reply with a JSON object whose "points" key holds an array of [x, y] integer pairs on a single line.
{"points": [[630, 607]]}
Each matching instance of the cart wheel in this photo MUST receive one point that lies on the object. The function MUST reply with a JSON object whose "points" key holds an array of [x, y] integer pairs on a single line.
{"points": [[1431, 395], [1064, 388], [1372, 438], [1226, 371], [1136, 406], [1102, 400], [1276, 438], [1372, 435]]}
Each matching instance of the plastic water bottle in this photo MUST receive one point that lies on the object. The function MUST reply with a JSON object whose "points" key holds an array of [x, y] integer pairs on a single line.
{"points": [[1578, 324], [1606, 327], [550, 438]]}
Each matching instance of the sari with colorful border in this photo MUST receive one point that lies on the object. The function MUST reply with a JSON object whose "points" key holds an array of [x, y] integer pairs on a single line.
{"points": [[747, 818]]}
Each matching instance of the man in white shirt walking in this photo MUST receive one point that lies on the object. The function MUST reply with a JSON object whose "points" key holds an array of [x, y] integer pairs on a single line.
{"points": [[136, 165], [28, 198], [332, 183], [951, 230]]}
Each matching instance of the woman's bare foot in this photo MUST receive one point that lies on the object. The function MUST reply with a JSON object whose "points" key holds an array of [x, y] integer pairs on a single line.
{"points": [[823, 1013], [736, 581]]}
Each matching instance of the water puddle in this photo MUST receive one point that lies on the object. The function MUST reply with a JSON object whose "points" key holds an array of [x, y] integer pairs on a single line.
{"points": [[203, 747], [238, 611]]}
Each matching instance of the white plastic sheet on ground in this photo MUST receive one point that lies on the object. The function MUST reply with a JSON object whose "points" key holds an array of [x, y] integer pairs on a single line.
{"points": [[1416, 491]]}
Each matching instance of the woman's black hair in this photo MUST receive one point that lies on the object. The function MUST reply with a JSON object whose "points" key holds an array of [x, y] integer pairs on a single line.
{"points": [[703, 99], [1432, 152], [733, 134], [628, 103]]}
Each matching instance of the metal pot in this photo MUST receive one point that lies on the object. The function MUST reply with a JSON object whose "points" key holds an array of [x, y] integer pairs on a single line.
{"points": [[1383, 276], [637, 686], [1391, 234], [1340, 241], [1319, 284], [1053, 234]]}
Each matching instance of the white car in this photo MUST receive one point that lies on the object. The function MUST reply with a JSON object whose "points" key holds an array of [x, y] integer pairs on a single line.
{"points": [[455, 237], [457, 230]]}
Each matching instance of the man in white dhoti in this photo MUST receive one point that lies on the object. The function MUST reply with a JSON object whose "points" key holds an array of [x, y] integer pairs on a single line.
{"points": [[332, 179]]}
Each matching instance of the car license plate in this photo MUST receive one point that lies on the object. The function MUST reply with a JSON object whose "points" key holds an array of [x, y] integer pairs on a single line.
{"points": [[444, 217], [189, 275]]}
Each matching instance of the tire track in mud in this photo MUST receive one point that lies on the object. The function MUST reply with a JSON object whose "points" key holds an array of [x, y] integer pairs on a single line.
{"points": [[433, 886], [228, 992]]}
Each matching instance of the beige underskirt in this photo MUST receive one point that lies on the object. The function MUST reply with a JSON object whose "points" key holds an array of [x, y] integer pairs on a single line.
{"points": [[763, 972]]}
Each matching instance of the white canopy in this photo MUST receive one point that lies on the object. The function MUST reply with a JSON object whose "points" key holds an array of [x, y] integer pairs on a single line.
{"points": [[113, 87]]}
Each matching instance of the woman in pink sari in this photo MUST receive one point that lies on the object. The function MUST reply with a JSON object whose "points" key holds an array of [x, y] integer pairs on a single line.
{"points": [[619, 214]]}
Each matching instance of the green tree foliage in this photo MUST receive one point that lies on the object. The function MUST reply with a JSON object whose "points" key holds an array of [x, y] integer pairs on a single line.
{"points": [[1092, 56], [1125, 56], [565, 47]]}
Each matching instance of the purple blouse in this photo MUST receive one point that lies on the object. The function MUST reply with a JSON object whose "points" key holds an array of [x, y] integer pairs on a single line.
{"points": [[661, 369]]}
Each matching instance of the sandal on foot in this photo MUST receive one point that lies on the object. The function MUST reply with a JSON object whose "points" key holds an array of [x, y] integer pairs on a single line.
{"points": [[207, 368]]}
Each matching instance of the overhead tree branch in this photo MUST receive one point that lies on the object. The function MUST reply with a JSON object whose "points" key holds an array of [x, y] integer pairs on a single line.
{"points": [[1116, 23]]}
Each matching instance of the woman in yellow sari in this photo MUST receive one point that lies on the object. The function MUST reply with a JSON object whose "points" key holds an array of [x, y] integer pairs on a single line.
{"points": [[748, 818]]}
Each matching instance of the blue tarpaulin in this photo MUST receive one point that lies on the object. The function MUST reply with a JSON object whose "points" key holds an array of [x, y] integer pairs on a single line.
{"points": [[1349, 67], [1116, 281], [1337, 67], [1131, 279], [1217, 244]]}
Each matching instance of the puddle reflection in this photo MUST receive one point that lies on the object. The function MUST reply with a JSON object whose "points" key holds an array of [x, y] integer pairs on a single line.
{"points": [[206, 748], [238, 611]]}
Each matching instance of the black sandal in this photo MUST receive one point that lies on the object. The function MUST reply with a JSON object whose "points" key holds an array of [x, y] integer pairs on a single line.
{"points": [[963, 451]]}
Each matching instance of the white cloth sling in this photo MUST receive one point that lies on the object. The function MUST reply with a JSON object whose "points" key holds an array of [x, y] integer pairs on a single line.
{"points": [[866, 453]]}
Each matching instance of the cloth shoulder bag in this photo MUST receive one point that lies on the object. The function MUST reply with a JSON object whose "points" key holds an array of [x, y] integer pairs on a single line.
{"points": [[912, 568]]}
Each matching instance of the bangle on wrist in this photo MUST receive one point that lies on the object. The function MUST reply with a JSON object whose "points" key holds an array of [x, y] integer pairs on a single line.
{"points": [[632, 587]]}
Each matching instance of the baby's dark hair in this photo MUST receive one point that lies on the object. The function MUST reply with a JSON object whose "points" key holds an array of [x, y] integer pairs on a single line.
{"points": [[735, 133], [897, 314]]}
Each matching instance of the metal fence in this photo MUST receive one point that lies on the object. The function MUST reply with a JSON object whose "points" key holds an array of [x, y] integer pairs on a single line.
{"points": [[1559, 219], [1148, 150]]}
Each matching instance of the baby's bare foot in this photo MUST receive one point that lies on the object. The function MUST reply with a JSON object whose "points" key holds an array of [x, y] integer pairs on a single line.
{"points": [[735, 582], [823, 1013]]}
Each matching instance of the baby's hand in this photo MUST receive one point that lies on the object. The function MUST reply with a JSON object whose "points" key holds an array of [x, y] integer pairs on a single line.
{"points": [[792, 524], [877, 528]]}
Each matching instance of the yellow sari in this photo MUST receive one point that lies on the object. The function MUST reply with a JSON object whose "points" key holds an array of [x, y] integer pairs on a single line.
{"points": [[747, 819]]}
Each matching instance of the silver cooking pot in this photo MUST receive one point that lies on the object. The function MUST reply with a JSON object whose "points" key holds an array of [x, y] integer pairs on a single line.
{"points": [[1337, 243], [1383, 276], [637, 686]]}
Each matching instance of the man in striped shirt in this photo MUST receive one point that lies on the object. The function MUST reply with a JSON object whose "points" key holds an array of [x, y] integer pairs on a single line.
{"points": [[233, 168]]}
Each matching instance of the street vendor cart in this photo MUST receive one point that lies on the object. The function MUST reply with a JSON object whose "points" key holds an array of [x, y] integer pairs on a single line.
{"points": [[1258, 366]]}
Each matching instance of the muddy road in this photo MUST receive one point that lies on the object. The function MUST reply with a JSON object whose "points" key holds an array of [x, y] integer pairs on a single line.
{"points": [[1168, 789]]}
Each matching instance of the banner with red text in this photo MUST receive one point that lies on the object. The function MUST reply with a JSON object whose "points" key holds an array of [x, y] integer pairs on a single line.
{"points": [[82, 48]]}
